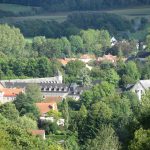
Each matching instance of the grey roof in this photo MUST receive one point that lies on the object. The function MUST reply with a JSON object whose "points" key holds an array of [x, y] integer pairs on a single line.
{"points": [[71, 89]]}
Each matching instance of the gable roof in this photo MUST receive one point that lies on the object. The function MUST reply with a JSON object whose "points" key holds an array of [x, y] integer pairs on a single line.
{"points": [[11, 92], [46, 107]]}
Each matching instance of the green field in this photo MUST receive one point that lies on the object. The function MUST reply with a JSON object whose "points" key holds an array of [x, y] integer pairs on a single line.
{"points": [[58, 18], [16, 9], [143, 11]]}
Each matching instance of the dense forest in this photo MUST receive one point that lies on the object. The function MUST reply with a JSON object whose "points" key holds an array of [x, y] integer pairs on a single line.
{"points": [[65, 5], [117, 25]]}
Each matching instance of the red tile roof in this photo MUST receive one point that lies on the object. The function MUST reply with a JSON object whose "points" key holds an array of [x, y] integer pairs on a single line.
{"points": [[108, 57], [66, 60], [88, 56], [11, 92], [46, 107], [38, 132]]}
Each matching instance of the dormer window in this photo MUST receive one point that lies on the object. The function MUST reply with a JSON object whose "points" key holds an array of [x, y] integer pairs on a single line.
{"points": [[47, 89]]}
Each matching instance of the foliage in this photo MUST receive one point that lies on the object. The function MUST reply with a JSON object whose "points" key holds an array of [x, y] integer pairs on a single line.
{"points": [[141, 140], [26, 105], [9, 111], [72, 70], [34, 92], [105, 139], [55, 114], [12, 41]]}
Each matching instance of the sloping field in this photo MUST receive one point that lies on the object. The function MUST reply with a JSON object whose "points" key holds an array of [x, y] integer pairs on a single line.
{"points": [[143, 11], [16, 9]]}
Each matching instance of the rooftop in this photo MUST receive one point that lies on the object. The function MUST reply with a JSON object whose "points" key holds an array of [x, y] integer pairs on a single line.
{"points": [[38, 132], [46, 107], [11, 92]]}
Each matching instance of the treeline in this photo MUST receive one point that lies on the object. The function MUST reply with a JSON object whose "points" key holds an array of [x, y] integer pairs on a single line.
{"points": [[87, 41], [115, 24], [98, 42], [23, 68], [65, 5]]}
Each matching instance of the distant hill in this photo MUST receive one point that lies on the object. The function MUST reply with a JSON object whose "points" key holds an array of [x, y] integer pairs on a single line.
{"points": [[68, 5]]}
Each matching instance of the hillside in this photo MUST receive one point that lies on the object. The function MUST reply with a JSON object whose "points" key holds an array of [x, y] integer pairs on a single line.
{"points": [[69, 5]]}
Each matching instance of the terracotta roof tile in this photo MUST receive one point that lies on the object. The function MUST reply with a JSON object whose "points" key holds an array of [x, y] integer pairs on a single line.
{"points": [[46, 107], [65, 61], [88, 56], [11, 92], [38, 132]]}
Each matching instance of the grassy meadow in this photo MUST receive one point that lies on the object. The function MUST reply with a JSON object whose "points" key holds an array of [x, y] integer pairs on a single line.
{"points": [[16, 9], [60, 17]]}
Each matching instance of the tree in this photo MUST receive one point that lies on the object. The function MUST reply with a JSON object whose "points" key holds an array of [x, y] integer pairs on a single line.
{"points": [[131, 73], [55, 114], [76, 43], [141, 140], [34, 92], [105, 139], [65, 113], [109, 75], [90, 39], [102, 90], [101, 111], [66, 46], [5, 142], [72, 70], [26, 105], [9, 111], [27, 123], [43, 67], [39, 44], [71, 143], [148, 42], [84, 77], [12, 41], [145, 111]]}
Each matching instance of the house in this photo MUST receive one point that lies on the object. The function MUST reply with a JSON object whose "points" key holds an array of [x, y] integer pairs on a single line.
{"points": [[65, 61], [40, 133], [87, 58], [113, 41], [44, 108], [140, 88], [109, 57], [9, 94]]}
